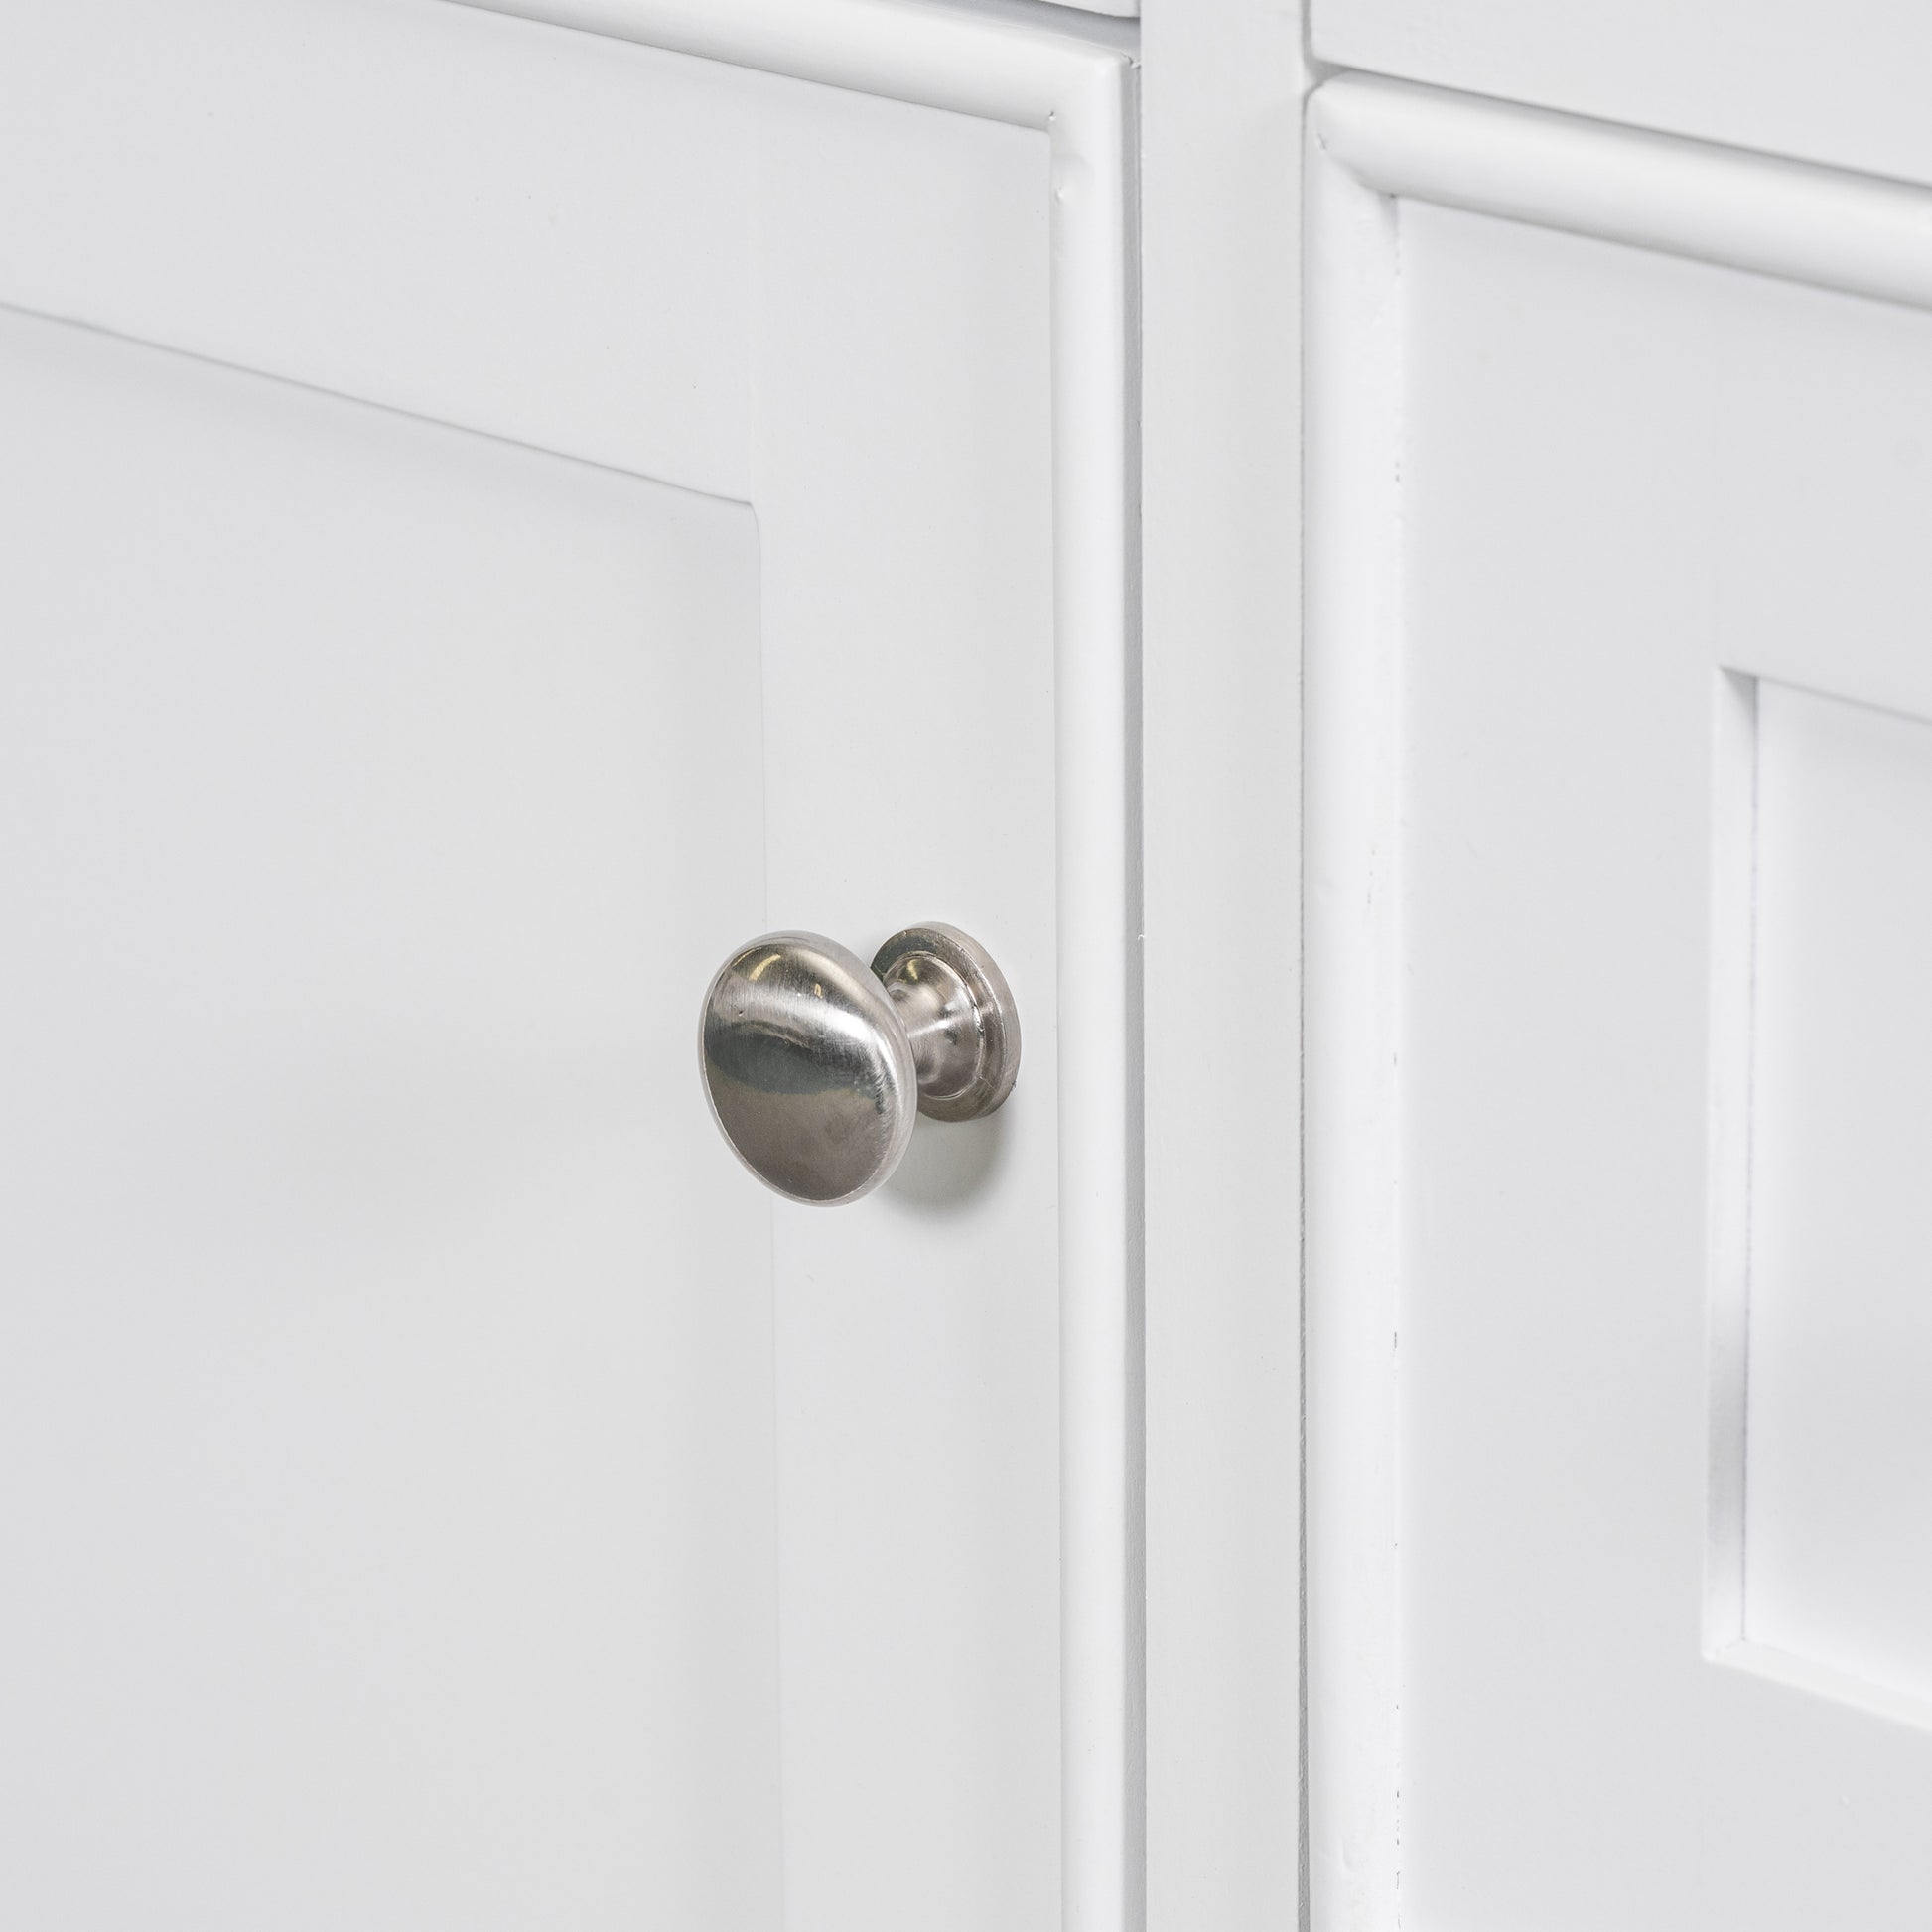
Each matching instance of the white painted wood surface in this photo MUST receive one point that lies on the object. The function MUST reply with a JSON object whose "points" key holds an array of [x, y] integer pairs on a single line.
{"points": [[912, 1426], [1566, 499], [1845, 85], [900, 336], [1221, 480], [1352, 605]]}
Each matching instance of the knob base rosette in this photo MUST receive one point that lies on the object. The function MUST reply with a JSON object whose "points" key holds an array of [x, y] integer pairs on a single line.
{"points": [[959, 1016]]}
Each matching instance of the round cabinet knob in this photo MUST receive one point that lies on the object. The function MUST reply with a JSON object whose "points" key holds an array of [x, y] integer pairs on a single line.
{"points": [[816, 1066]]}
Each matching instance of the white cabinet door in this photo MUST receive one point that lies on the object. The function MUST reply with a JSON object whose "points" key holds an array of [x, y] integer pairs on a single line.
{"points": [[1620, 1104], [497, 512]]}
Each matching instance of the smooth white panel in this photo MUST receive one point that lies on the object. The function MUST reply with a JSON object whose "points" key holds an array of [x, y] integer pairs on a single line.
{"points": [[386, 1461], [1220, 673], [905, 475], [1620, 475], [1838, 1484], [539, 233], [1844, 85]]}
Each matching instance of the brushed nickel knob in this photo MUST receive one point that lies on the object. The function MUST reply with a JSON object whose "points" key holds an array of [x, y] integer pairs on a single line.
{"points": [[816, 1066]]}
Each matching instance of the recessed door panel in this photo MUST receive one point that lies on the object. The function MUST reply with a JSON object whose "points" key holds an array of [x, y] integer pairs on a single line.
{"points": [[1835, 1246], [386, 1447]]}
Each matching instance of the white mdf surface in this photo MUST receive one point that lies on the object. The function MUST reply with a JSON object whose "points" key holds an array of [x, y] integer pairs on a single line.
{"points": [[1844, 87], [389, 1487], [1570, 499], [870, 335]]}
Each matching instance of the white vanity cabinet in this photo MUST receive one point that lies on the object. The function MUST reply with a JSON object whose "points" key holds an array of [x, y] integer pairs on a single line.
{"points": [[506, 503], [500, 507]]}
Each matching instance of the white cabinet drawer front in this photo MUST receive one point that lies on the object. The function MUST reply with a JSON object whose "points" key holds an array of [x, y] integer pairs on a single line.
{"points": [[501, 516]]}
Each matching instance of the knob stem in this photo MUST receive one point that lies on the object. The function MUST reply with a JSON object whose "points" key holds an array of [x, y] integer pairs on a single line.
{"points": [[936, 1011]]}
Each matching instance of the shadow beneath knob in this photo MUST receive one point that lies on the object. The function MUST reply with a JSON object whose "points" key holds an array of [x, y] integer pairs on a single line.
{"points": [[950, 1165]]}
